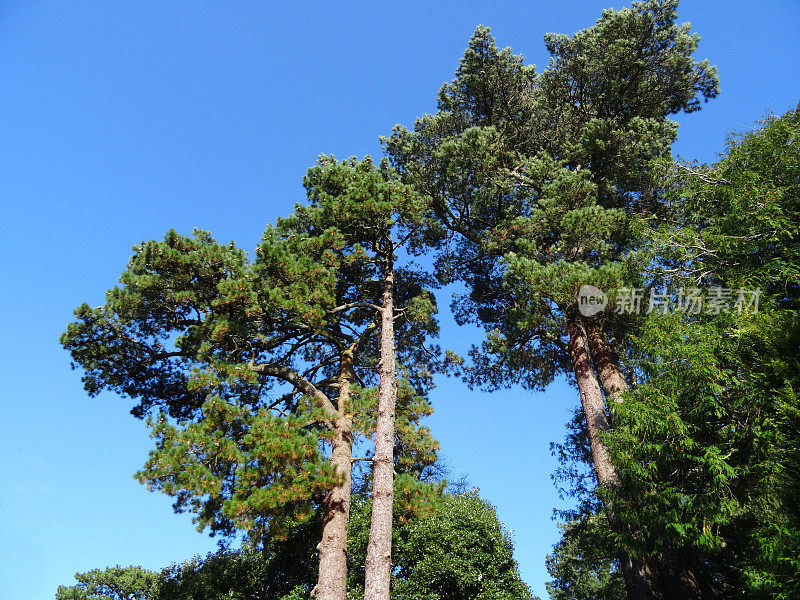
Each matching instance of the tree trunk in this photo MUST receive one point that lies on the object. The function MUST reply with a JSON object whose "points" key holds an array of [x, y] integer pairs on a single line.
{"points": [[639, 579], [377, 582], [637, 575], [678, 580], [332, 580], [606, 363], [591, 400], [675, 580]]}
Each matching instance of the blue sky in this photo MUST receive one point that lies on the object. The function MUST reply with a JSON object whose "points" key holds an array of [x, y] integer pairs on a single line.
{"points": [[119, 120]]}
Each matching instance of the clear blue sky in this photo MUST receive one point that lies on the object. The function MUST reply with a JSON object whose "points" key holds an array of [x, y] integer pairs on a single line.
{"points": [[119, 120]]}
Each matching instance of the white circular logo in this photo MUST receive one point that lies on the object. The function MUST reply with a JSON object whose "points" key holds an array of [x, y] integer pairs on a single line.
{"points": [[591, 300]]}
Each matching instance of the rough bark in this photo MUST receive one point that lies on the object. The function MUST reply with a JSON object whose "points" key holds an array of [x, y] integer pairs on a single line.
{"points": [[606, 363], [377, 582], [675, 580], [638, 576], [332, 579], [678, 580], [591, 400], [639, 579]]}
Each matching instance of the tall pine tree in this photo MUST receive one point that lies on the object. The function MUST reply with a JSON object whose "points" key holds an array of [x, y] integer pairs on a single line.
{"points": [[542, 180], [377, 216], [250, 369]]}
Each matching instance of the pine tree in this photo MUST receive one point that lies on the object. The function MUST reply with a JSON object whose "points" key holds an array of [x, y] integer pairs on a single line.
{"points": [[542, 179], [248, 369], [376, 216], [112, 583], [204, 339]]}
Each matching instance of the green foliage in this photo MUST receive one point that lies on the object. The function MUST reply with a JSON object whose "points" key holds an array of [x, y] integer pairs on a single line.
{"points": [[706, 447], [679, 431], [547, 182], [361, 217], [706, 442], [737, 219], [278, 465], [236, 362], [743, 216], [180, 335], [112, 583], [458, 550], [237, 575], [542, 179], [222, 574], [527, 185], [455, 550], [582, 565]]}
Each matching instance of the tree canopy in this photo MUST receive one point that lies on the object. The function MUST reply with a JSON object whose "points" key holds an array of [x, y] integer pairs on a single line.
{"points": [[263, 379], [706, 440]]}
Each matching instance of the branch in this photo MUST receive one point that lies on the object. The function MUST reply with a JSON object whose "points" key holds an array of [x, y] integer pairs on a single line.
{"points": [[299, 382], [304, 339], [312, 371], [362, 338], [354, 305], [704, 177], [400, 243], [284, 398], [443, 211], [163, 355], [521, 178]]}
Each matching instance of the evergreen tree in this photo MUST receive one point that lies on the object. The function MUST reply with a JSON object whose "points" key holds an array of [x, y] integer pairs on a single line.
{"points": [[376, 216], [706, 441], [582, 564], [112, 583], [715, 416], [543, 180], [250, 369], [202, 336]]}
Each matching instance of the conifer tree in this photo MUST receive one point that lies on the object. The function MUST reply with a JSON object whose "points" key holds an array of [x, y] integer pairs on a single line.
{"points": [[542, 180], [707, 439], [204, 339], [376, 216], [247, 370]]}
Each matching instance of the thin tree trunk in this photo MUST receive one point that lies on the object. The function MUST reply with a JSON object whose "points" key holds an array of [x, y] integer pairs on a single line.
{"points": [[637, 575], [332, 580], [377, 582]]}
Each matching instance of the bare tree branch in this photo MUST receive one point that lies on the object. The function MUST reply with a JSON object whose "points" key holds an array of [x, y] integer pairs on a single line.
{"points": [[299, 382]]}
